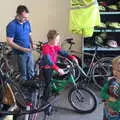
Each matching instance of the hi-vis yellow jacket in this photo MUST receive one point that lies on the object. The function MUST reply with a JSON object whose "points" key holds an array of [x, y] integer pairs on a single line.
{"points": [[84, 15]]}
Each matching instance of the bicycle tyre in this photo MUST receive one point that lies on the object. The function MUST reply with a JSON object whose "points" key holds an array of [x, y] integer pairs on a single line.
{"points": [[36, 100], [101, 71], [82, 91], [106, 59]]}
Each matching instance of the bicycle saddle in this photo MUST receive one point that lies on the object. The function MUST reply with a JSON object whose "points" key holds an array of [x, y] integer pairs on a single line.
{"points": [[70, 40]]}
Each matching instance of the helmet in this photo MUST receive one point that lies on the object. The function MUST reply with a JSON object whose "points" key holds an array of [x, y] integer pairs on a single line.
{"points": [[112, 7], [82, 2], [99, 40], [103, 35], [102, 8], [112, 43], [103, 25], [118, 5], [114, 25]]}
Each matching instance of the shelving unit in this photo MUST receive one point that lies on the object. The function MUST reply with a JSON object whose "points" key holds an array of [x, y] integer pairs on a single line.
{"points": [[102, 49], [107, 30], [105, 17], [111, 13]]}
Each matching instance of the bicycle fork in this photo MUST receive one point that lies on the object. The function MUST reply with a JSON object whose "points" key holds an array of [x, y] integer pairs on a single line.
{"points": [[78, 93]]}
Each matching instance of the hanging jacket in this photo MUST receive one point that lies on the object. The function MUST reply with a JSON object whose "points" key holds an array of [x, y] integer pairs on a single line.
{"points": [[83, 17]]}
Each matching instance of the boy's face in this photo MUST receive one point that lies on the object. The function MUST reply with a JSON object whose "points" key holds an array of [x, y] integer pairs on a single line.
{"points": [[116, 72], [57, 40]]}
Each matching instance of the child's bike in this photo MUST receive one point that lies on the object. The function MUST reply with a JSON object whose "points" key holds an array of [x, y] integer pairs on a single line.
{"points": [[82, 99]]}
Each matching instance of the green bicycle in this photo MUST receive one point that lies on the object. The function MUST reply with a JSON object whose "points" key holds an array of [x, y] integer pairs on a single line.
{"points": [[82, 99]]}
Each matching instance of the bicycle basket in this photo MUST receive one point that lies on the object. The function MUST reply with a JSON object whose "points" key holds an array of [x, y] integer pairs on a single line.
{"points": [[8, 96]]}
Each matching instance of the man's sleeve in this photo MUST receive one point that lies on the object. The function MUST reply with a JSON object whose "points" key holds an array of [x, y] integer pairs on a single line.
{"points": [[10, 31], [29, 27]]}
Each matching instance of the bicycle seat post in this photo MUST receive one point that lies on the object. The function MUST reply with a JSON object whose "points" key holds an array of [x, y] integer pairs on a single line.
{"points": [[70, 46], [70, 42], [96, 48]]}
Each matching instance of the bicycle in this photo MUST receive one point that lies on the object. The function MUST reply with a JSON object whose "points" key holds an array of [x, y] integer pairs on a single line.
{"points": [[98, 69], [78, 93], [8, 61], [13, 99]]}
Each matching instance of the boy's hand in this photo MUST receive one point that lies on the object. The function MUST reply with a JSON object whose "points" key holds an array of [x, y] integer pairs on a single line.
{"points": [[61, 71], [110, 110], [75, 60]]}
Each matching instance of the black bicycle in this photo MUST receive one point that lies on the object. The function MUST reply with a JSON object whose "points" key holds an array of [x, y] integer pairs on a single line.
{"points": [[13, 97], [95, 68]]}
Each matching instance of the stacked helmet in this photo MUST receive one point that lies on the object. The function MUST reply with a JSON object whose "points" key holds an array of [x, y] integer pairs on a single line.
{"points": [[112, 7], [99, 40], [112, 42]]}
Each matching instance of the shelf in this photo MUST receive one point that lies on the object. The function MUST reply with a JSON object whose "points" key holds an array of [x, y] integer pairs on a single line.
{"points": [[102, 49], [111, 13], [107, 30]]}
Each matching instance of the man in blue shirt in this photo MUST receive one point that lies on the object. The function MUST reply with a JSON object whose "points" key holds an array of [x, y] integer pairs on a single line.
{"points": [[18, 34]]}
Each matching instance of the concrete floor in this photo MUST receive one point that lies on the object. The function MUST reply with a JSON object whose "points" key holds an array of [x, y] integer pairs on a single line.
{"points": [[65, 112]]}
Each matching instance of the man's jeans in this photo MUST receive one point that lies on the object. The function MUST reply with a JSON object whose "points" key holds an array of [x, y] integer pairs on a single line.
{"points": [[26, 65]]}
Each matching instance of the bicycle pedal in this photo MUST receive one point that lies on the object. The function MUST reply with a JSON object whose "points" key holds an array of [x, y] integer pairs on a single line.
{"points": [[13, 107]]}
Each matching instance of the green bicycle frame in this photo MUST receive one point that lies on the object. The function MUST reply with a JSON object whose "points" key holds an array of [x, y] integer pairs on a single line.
{"points": [[59, 85]]}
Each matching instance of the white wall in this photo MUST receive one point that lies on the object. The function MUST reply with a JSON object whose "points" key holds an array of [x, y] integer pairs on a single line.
{"points": [[44, 15]]}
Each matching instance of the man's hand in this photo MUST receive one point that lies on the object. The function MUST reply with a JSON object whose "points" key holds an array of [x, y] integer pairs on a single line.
{"points": [[26, 50], [61, 71], [34, 46], [16, 46]]}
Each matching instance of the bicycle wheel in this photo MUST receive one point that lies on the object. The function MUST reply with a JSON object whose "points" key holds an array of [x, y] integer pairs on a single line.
{"points": [[40, 115], [101, 71], [37, 67], [36, 100], [34, 105], [106, 60], [83, 100]]}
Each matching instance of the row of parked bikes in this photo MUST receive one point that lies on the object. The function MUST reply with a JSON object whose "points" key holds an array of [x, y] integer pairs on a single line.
{"points": [[80, 96]]}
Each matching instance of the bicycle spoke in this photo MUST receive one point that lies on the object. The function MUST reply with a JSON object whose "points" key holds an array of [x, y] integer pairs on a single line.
{"points": [[102, 70]]}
